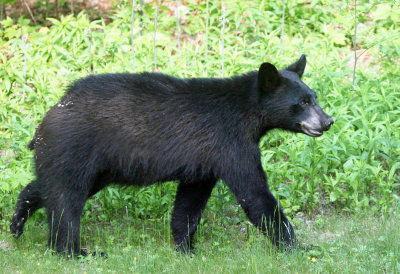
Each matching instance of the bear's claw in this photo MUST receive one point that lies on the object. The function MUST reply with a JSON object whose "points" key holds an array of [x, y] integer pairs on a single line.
{"points": [[17, 227]]}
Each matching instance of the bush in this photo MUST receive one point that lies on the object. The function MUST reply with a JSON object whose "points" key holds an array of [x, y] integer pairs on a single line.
{"points": [[353, 167]]}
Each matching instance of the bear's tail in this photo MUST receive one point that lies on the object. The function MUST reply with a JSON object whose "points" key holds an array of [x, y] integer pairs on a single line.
{"points": [[31, 145]]}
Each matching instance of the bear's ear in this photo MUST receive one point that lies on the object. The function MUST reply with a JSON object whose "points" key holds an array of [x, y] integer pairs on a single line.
{"points": [[268, 77], [298, 66]]}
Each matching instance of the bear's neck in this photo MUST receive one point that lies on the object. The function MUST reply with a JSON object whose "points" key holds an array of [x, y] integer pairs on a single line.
{"points": [[244, 99]]}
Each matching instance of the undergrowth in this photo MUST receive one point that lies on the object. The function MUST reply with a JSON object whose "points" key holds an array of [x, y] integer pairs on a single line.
{"points": [[353, 167]]}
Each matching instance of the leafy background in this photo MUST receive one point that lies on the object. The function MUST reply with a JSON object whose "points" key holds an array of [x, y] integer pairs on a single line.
{"points": [[353, 167]]}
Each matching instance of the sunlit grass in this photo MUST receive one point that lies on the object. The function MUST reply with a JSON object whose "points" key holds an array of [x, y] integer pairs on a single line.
{"points": [[345, 244]]}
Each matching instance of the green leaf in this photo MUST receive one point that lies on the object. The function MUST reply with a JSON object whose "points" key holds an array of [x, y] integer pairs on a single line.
{"points": [[348, 165]]}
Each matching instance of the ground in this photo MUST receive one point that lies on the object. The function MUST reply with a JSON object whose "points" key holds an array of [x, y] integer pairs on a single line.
{"points": [[345, 244]]}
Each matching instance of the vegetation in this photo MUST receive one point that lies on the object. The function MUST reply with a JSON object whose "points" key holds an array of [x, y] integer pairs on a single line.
{"points": [[353, 168], [356, 244]]}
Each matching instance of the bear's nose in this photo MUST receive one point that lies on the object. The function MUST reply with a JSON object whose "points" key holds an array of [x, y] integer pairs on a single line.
{"points": [[328, 123]]}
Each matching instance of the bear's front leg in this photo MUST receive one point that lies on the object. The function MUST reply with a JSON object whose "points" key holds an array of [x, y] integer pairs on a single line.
{"points": [[249, 184], [190, 201]]}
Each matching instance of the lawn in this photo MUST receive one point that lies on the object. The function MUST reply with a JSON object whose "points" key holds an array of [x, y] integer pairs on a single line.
{"points": [[342, 244]]}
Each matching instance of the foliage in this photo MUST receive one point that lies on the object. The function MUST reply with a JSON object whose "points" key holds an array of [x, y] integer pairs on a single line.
{"points": [[353, 167]]}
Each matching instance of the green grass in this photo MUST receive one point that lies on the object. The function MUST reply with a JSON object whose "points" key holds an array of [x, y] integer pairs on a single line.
{"points": [[346, 244], [353, 169]]}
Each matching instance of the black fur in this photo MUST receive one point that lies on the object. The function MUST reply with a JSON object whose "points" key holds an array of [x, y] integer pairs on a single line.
{"points": [[138, 129]]}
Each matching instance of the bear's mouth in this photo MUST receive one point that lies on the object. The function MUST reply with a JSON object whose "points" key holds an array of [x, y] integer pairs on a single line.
{"points": [[310, 131]]}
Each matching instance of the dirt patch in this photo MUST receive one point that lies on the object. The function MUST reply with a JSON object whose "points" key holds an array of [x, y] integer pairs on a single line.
{"points": [[5, 246], [364, 60], [6, 156], [37, 11], [330, 236]]}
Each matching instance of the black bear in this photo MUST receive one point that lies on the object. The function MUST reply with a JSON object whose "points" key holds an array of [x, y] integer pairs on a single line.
{"points": [[139, 129]]}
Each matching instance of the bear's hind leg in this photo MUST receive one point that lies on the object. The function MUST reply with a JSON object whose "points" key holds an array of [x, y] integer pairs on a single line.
{"points": [[29, 200], [190, 201], [64, 210]]}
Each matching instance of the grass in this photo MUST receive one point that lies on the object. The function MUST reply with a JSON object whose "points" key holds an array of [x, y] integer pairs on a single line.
{"points": [[346, 244]]}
